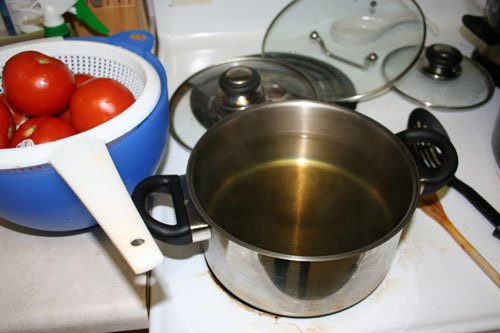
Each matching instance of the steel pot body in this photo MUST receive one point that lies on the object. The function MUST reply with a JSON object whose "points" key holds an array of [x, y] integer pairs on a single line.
{"points": [[297, 288], [302, 204], [495, 140]]}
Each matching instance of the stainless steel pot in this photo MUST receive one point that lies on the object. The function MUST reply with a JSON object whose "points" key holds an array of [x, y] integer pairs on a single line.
{"points": [[302, 203]]}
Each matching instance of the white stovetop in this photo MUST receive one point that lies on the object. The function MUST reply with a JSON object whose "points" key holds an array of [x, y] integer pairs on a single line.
{"points": [[432, 286]]}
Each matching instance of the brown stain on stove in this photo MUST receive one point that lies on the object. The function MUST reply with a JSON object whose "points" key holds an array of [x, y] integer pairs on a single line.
{"points": [[409, 255], [279, 321], [287, 327], [412, 252], [390, 288], [238, 301], [202, 274]]}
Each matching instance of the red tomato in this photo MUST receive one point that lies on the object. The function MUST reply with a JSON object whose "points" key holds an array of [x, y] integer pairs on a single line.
{"points": [[66, 116], [19, 118], [42, 130], [81, 78], [7, 126], [36, 84], [98, 100]]}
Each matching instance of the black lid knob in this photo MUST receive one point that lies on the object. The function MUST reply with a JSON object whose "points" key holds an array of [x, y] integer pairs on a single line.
{"points": [[441, 62], [443, 55], [239, 80]]}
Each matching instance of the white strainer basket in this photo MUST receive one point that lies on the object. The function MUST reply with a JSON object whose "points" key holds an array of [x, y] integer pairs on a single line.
{"points": [[97, 59], [83, 160]]}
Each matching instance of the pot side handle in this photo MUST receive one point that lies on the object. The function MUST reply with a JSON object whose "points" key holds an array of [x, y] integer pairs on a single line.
{"points": [[433, 179], [178, 234]]}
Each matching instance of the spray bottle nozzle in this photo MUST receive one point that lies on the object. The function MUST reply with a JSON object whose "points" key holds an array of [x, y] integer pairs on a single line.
{"points": [[53, 21], [85, 14]]}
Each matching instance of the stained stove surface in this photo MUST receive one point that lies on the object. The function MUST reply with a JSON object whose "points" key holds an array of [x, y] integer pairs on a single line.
{"points": [[433, 286]]}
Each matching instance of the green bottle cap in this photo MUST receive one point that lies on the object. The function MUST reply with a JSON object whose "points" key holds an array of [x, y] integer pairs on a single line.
{"points": [[60, 30]]}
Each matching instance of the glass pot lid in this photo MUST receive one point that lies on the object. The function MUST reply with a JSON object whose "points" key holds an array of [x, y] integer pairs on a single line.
{"points": [[330, 83], [233, 86], [441, 78], [352, 36]]}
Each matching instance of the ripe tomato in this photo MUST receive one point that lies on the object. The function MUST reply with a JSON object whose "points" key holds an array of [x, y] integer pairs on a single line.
{"points": [[7, 126], [41, 130], [81, 78], [19, 118], [98, 100], [36, 84], [66, 116]]}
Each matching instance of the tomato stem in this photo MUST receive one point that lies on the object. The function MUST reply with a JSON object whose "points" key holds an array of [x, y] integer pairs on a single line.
{"points": [[29, 131], [43, 61]]}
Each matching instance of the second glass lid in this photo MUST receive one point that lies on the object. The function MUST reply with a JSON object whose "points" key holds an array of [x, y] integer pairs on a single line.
{"points": [[352, 36], [442, 78]]}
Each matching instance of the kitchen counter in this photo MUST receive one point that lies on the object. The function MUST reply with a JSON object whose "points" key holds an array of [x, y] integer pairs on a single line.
{"points": [[74, 282]]}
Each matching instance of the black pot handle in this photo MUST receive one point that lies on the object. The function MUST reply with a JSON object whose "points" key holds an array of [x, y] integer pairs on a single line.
{"points": [[433, 179], [482, 29], [178, 234]]}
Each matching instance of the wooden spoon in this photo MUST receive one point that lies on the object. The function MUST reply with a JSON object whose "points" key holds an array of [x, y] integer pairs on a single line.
{"points": [[432, 207]]}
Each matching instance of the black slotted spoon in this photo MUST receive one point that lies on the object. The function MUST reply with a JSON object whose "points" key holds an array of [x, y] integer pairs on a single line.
{"points": [[432, 160]]}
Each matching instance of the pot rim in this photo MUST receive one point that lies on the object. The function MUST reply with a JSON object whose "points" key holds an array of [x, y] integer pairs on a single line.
{"points": [[328, 108]]}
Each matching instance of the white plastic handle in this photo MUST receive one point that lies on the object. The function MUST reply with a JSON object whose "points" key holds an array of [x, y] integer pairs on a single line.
{"points": [[86, 166]]}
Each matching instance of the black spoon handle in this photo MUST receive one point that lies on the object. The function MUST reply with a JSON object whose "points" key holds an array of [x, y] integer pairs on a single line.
{"points": [[476, 200]]}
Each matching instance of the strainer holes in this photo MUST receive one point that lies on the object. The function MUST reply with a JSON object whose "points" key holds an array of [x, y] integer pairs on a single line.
{"points": [[104, 67]]}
